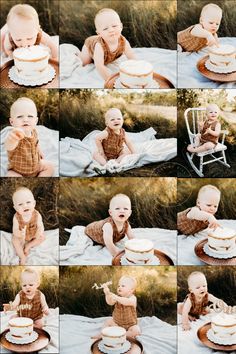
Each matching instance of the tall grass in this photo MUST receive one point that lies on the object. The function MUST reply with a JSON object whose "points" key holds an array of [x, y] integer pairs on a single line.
{"points": [[146, 23], [155, 292], [82, 201]]}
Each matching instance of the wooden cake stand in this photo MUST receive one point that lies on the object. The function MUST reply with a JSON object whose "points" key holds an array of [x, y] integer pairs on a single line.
{"points": [[164, 259], [199, 251], [202, 335], [5, 82], [40, 343], [161, 80], [230, 77], [136, 347]]}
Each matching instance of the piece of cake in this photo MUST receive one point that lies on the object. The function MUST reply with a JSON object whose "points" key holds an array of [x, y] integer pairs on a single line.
{"points": [[221, 241], [136, 74], [21, 327], [113, 337], [222, 56], [223, 326], [139, 251], [31, 63]]}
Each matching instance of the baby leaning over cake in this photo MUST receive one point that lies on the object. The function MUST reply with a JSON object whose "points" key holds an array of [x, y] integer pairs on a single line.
{"points": [[22, 29], [22, 145], [29, 302], [110, 143], [196, 302], [201, 216]]}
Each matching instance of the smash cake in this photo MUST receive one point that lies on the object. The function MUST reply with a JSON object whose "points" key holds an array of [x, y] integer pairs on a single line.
{"points": [[113, 337], [223, 329], [21, 327], [222, 59], [139, 251], [221, 243], [136, 74]]}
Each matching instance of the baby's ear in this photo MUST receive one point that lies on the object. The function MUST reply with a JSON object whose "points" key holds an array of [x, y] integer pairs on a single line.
{"points": [[10, 120], [109, 211]]}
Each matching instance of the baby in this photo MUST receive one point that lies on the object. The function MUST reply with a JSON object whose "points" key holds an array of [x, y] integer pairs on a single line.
{"points": [[22, 145], [110, 142], [29, 302], [107, 45], [210, 130], [201, 216], [112, 229], [195, 303], [204, 33], [28, 229], [23, 30]]}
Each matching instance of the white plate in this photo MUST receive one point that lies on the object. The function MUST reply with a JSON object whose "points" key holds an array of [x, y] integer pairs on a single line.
{"points": [[212, 337], [220, 69], [118, 85], [210, 253], [29, 339], [124, 261], [125, 348], [49, 75]]}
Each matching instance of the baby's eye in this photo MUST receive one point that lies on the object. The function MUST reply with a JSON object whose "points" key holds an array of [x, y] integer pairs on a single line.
{"points": [[29, 39], [19, 117], [24, 285], [29, 116], [114, 26], [105, 29], [29, 202], [18, 40]]}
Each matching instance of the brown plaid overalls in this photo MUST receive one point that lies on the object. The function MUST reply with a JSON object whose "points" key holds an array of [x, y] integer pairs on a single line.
{"points": [[208, 137], [124, 316], [36, 312], [197, 309], [31, 226], [190, 43], [114, 144], [189, 226]]}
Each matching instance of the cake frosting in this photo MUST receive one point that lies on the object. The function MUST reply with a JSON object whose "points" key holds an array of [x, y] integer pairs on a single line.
{"points": [[139, 251], [222, 56], [21, 327], [224, 327], [222, 240], [136, 74], [31, 62], [113, 337]]}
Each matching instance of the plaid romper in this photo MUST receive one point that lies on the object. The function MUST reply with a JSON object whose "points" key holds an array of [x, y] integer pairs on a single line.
{"points": [[197, 309], [189, 226], [124, 316], [208, 137], [114, 144], [36, 311], [31, 226], [190, 43]]}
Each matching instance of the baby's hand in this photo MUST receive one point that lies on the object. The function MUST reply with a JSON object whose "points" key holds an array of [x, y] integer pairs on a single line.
{"points": [[213, 223], [46, 312], [106, 290], [191, 318], [186, 326], [6, 307], [23, 232], [211, 40], [16, 134]]}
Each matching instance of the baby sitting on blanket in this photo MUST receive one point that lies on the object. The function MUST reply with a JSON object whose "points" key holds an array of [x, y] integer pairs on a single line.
{"points": [[107, 45], [111, 141], [112, 229]]}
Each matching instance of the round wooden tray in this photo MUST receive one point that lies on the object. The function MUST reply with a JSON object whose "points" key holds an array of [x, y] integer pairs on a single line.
{"points": [[230, 77], [211, 260], [5, 82], [162, 81], [203, 338], [164, 259], [40, 343], [136, 347]]}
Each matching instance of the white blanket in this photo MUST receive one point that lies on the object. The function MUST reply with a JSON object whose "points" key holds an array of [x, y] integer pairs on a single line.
{"points": [[76, 155], [186, 254], [73, 75], [51, 326], [44, 254], [190, 77], [80, 250], [48, 140], [188, 342], [157, 336]]}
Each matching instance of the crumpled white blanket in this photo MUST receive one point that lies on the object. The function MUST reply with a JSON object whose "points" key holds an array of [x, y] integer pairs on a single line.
{"points": [[51, 326], [44, 254], [157, 336], [186, 254], [76, 155], [188, 341], [73, 75], [190, 77], [48, 140], [80, 250]]}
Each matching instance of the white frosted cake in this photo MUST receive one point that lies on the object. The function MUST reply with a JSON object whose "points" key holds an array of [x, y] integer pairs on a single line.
{"points": [[224, 328], [21, 327], [221, 241], [113, 337], [139, 251], [222, 59], [136, 74], [31, 62]]}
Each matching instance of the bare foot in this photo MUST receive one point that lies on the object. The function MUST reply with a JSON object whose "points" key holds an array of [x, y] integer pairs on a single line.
{"points": [[190, 148], [26, 251]]}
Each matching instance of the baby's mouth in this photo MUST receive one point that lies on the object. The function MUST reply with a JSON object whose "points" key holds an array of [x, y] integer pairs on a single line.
{"points": [[121, 216], [26, 210]]}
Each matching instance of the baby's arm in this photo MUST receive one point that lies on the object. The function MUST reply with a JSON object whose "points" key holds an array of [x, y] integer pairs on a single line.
{"points": [[98, 140], [108, 296], [126, 301], [13, 139], [108, 239], [12, 305], [196, 214], [129, 51], [215, 300], [47, 41], [5, 42], [130, 233], [129, 144], [44, 305], [215, 132], [185, 312], [40, 227], [199, 31], [16, 230], [98, 58]]}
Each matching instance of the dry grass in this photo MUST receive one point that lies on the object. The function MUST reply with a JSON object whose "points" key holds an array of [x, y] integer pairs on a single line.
{"points": [[146, 23], [45, 191], [82, 201], [156, 290]]}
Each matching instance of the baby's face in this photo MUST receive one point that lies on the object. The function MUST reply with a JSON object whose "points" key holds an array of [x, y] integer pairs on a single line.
{"points": [[108, 26], [209, 201], [23, 31], [210, 20], [120, 209], [212, 112], [24, 115], [125, 287], [115, 121], [198, 285], [29, 283], [24, 202]]}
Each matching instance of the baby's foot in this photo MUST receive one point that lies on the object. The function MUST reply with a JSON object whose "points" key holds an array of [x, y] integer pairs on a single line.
{"points": [[26, 251], [190, 148]]}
